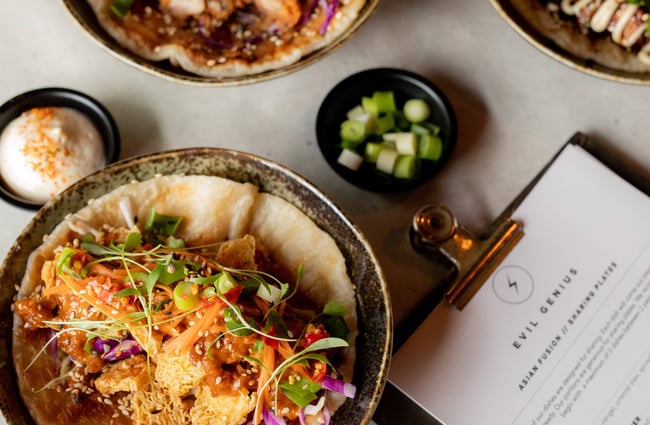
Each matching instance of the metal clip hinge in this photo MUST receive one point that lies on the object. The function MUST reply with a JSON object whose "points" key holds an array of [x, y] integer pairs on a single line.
{"points": [[435, 231]]}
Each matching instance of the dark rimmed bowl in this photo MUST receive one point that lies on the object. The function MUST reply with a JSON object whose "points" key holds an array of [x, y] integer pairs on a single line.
{"points": [[60, 97], [564, 55], [84, 17], [405, 85], [374, 343]]}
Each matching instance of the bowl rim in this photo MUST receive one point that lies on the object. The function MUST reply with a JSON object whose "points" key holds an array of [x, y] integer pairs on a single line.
{"points": [[102, 39], [55, 210], [92, 108], [545, 45], [419, 81]]}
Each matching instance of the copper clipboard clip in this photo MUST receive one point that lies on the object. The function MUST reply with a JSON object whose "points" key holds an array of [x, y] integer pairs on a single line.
{"points": [[435, 233]]}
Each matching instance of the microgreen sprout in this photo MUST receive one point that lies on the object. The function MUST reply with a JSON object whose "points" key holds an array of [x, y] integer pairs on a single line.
{"points": [[309, 353]]}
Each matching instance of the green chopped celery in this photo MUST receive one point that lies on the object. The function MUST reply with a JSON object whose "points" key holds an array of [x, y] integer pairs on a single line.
{"points": [[429, 147], [405, 166], [384, 124], [372, 151], [121, 7], [353, 131], [369, 105], [385, 101]]}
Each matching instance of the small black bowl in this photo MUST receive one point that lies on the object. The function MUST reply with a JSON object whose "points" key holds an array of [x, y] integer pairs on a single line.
{"points": [[405, 85], [60, 97]]}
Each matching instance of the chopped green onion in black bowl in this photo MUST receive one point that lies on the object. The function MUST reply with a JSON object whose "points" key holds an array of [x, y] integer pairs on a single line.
{"points": [[386, 129]]}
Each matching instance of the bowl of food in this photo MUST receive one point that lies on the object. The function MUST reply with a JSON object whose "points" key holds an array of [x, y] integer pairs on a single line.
{"points": [[190, 285], [220, 43], [49, 139], [607, 40], [386, 129]]}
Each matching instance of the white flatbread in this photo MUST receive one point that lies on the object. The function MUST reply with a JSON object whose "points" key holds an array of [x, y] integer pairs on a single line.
{"points": [[246, 50]]}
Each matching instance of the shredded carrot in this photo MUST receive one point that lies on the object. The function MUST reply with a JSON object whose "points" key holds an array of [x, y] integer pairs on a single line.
{"points": [[163, 294], [118, 274], [184, 341], [268, 360], [263, 305], [285, 350], [56, 290]]}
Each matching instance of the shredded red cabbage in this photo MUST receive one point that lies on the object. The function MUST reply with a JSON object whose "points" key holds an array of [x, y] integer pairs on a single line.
{"points": [[104, 345], [308, 10], [53, 342], [112, 350], [339, 386], [329, 6], [271, 419], [211, 41]]}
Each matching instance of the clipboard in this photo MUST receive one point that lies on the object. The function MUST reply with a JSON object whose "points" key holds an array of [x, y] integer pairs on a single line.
{"points": [[471, 259]]}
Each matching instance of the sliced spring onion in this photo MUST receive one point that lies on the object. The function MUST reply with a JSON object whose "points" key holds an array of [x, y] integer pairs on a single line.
{"points": [[425, 127], [385, 101], [378, 132], [429, 147], [405, 166], [353, 131], [389, 136], [416, 110], [350, 159], [162, 224], [121, 7], [368, 120], [270, 293], [186, 295], [386, 160], [406, 143], [371, 152], [369, 105], [225, 282], [355, 112], [384, 124]]}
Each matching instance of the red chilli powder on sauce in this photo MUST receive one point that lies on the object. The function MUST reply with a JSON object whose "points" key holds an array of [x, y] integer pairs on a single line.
{"points": [[45, 150]]}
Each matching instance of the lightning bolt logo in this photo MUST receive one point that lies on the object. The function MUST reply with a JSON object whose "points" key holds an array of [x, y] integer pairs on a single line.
{"points": [[513, 284]]}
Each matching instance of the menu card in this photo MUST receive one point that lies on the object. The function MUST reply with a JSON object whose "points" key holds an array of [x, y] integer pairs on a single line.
{"points": [[560, 333]]}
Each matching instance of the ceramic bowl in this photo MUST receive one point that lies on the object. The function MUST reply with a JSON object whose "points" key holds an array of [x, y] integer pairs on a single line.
{"points": [[374, 343], [561, 54], [405, 85], [83, 15], [60, 97]]}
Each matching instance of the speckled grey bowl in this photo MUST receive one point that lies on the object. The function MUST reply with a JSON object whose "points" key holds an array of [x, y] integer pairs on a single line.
{"points": [[374, 343]]}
